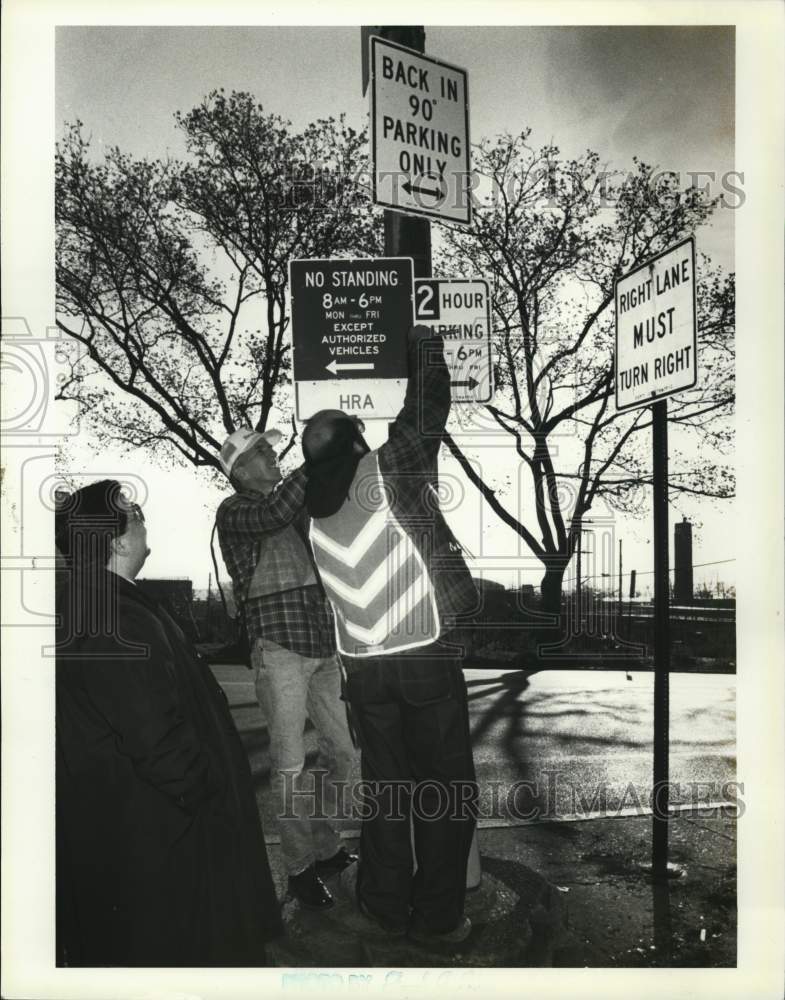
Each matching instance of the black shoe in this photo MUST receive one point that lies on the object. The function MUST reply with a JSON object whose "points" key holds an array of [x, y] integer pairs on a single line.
{"points": [[336, 864], [419, 933], [309, 889]]}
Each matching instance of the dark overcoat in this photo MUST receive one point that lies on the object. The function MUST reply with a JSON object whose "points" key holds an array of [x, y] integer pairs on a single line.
{"points": [[161, 859]]}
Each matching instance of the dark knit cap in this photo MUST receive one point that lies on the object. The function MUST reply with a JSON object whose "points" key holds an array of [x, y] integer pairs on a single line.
{"points": [[331, 459]]}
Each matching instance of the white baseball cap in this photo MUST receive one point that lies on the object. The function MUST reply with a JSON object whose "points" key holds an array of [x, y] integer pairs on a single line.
{"points": [[240, 441]]}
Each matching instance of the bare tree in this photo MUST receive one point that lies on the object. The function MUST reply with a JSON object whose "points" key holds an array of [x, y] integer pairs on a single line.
{"points": [[553, 234], [173, 275]]}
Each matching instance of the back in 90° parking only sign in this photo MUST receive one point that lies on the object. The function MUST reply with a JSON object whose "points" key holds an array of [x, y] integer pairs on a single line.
{"points": [[460, 311], [350, 323], [420, 151]]}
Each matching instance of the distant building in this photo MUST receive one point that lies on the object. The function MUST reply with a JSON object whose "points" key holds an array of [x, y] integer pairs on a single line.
{"points": [[682, 551]]}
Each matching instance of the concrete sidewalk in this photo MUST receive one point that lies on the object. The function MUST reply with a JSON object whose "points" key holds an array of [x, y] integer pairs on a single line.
{"points": [[565, 894]]}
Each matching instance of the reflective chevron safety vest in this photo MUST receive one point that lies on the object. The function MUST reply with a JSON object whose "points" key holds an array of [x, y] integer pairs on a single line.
{"points": [[373, 573]]}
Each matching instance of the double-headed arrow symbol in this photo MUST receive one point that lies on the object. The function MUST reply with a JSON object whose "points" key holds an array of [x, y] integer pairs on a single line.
{"points": [[409, 187], [334, 367], [470, 383]]}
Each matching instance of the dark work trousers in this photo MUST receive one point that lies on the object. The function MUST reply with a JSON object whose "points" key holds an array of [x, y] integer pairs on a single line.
{"points": [[412, 722]]}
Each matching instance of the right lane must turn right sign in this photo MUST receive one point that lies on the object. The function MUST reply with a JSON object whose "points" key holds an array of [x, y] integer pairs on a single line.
{"points": [[656, 328]]}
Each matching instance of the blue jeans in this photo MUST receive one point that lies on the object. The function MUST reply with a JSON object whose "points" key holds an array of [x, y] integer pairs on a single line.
{"points": [[291, 688]]}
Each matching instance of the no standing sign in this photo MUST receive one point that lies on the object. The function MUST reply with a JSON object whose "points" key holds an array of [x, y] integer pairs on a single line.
{"points": [[350, 319]]}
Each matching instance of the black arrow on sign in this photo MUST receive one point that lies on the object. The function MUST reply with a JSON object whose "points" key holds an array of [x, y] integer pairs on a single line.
{"points": [[408, 188], [470, 383]]}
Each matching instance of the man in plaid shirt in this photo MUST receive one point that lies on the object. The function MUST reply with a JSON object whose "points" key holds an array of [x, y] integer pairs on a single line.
{"points": [[261, 530]]}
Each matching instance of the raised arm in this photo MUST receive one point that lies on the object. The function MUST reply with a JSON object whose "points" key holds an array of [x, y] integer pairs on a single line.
{"points": [[415, 435], [251, 515]]}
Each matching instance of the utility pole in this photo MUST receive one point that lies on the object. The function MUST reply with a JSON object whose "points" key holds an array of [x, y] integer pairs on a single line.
{"points": [[579, 580], [407, 235], [578, 602]]}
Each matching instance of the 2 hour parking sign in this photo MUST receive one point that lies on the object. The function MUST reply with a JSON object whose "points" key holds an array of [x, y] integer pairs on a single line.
{"points": [[460, 311]]}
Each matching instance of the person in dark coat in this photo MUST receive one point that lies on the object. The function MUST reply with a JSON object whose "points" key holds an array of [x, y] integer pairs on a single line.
{"points": [[161, 859]]}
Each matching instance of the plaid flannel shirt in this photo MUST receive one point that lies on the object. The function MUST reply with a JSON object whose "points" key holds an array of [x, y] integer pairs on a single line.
{"points": [[299, 619], [408, 462]]}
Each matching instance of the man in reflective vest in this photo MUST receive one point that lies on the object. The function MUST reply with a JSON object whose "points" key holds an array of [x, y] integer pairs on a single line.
{"points": [[396, 579]]}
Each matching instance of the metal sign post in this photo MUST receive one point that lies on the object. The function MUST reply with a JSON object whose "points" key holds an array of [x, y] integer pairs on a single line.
{"points": [[662, 651], [656, 348]]}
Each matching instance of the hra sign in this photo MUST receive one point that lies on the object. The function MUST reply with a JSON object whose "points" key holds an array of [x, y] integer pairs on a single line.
{"points": [[656, 338], [419, 133], [350, 320], [460, 311]]}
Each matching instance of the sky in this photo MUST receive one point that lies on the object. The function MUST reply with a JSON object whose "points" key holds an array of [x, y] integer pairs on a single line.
{"points": [[664, 94]]}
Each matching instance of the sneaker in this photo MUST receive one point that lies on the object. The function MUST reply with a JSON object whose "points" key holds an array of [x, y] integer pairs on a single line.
{"points": [[336, 864], [309, 890], [420, 934]]}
